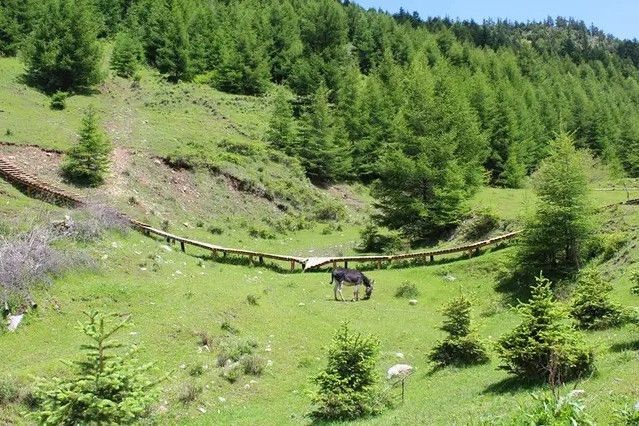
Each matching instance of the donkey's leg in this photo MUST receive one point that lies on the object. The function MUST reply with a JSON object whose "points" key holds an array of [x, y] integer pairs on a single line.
{"points": [[356, 292], [341, 284], [335, 289]]}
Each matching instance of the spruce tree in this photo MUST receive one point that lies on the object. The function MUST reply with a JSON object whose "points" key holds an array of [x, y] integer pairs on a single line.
{"points": [[62, 52], [126, 56], [544, 340], [321, 144], [172, 55], [461, 346], [591, 305], [555, 235], [281, 131], [87, 163]]}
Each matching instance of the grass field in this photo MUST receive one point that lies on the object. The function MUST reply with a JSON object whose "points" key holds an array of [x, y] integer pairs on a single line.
{"points": [[293, 323]]}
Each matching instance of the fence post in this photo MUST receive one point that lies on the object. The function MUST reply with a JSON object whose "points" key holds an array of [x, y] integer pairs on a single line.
{"points": [[182, 245], [432, 258], [292, 265]]}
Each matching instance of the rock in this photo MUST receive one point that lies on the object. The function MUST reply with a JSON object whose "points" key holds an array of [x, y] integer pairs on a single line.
{"points": [[14, 321], [143, 269], [637, 406], [178, 272], [157, 161], [301, 304], [412, 302], [221, 399], [449, 277], [166, 248], [399, 355], [202, 410], [269, 363], [182, 366], [253, 382], [399, 371], [247, 386]]}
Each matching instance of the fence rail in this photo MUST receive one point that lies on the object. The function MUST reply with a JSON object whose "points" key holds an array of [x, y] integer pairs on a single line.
{"points": [[35, 186]]}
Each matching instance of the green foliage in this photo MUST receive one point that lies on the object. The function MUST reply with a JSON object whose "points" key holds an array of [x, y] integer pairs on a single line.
{"points": [[62, 52], [552, 410], [407, 290], [544, 337], [127, 53], [348, 385], [591, 305], [609, 244], [461, 346], [87, 163], [107, 387], [59, 101], [479, 224], [555, 236], [373, 241], [635, 280], [629, 416], [281, 130], [329, 211], [253, 364], [234, 348]]}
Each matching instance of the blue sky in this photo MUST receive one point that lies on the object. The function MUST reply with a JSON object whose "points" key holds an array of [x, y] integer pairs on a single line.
{"points": [[617, 17]]}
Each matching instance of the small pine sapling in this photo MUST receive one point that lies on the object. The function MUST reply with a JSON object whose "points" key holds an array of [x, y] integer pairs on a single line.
{"points": [[461, 346], [591, 306]]}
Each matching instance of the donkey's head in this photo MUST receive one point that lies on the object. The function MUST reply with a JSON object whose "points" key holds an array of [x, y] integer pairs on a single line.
{"points": [[369, 290]]}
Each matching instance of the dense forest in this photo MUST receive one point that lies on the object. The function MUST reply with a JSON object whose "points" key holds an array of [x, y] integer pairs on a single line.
{"points": [[426, 109]]}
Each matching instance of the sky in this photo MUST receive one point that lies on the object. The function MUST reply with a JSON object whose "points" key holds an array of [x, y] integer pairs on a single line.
{"points": [[617, 17]]}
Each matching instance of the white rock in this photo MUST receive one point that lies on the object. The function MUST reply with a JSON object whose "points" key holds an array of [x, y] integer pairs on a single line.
{"points": [[412, 302], [253, 382], [269, 363], [114, 244], [399, 371], [166, 248], [247, 386], [142, 269], [221, 399], [449, 277], [637, 406], [14, 321], [301, 304], [178, 272], [399, 355], [202, 410], [182, 366]]}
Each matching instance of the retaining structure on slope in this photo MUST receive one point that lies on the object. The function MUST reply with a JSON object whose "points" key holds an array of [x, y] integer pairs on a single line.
{"points": [[35, 186]]}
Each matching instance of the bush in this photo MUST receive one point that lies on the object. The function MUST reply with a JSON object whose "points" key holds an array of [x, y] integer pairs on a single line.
{"points": [[479, 224], [591, 305], [543, 336], [127, 53], [87, 163], [263, 233], [216, 230], [348, 386], [107, 387], [629, 416], [550, 409], [407, 290], [233, 349], [189, 393], [253, 364], [372, 241], [609, 244], [329, 211], [94, 220], [59, 101], [461, 347], [635, 279], [252, 300], [9, 391]]}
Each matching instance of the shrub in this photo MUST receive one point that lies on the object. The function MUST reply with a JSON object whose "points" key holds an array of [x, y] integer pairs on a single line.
{"points": [[215, 230], [348, 385], [591, 305], [407, 290], [629, 415], [127, 53], [87, 163], [609, 244], [253, 364], [189, 393], [59, 101], [550, 409], [635, 279], [107, 387], [461, 347], [543, 335], [263, 233], [479, 224], [329, 211], [196, 370], [252, 300], [94, 220], [372, 241], [9, 391], [234, 349]]}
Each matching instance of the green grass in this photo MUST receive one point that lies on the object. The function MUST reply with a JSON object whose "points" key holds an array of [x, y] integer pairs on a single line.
{"points": [[296, 318]]}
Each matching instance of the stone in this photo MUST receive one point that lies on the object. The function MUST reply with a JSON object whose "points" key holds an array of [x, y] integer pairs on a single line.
{"points": [[202, 410], [301, 304], [166, 248], [221, 399], [14, 321], [412, 302], [399, 371], [399, 355]]}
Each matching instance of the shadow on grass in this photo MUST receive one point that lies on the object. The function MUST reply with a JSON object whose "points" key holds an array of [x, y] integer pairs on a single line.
{"points": [[512, 385], [625, 346]]}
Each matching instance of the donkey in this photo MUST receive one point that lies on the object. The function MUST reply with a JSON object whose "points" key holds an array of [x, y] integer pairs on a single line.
{"points": [[350, 277]]}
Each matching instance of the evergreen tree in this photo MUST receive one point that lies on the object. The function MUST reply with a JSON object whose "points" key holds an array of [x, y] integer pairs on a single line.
{"points": [[107, 387], [126, 56], [320, 141], [348, 386], [172, 55], [62, 52], [461, 346], [591, 305], [15, 24], [285, 45], [544, 340], [87, 163], [554, 237], [281, 131]]}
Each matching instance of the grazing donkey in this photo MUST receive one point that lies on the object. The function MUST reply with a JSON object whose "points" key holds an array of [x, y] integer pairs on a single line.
{"points": [[350, 277]]}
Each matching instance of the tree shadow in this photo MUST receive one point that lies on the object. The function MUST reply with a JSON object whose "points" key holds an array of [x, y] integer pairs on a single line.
{"points": [[625, 346], [513, 384]]}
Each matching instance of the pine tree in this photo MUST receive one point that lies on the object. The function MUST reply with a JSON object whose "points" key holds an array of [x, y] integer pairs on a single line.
{"points": [[127, 53], [285, 45], [555, 235], [172, 55], [87, 163], [62, 52], [320, 143], [107, 387], [544, 340], [591, 305], [348, 386], [281, 131], [461, 346]]}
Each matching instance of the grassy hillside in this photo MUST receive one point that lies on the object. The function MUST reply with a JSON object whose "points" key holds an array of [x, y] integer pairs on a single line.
{"points": [[172, 297]]}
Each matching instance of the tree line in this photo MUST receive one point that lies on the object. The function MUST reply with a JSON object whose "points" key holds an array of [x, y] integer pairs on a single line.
{"points": [[429, 109]]}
